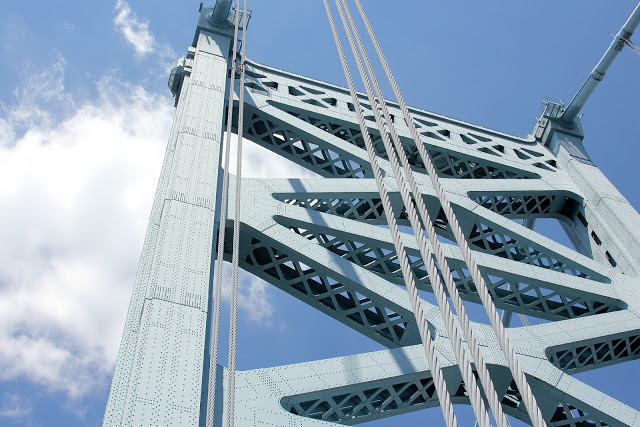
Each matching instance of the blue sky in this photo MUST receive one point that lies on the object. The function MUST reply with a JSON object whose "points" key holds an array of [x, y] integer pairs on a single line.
{"points": [[84, 117]]}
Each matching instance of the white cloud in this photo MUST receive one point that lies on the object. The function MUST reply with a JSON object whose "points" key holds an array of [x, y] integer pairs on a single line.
{"points": [[135, 32], [253, 295], [76, 195]]}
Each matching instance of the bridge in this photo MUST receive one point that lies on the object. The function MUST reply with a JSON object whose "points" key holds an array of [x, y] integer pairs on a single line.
{"points": [[406, 203]]}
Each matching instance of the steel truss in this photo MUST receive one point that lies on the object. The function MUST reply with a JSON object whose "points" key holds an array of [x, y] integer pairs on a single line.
{"points": [[324, 242]]}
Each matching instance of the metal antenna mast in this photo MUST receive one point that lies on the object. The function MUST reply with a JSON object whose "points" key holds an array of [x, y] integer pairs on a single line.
{"points": [[327, 242], [596, 76]]}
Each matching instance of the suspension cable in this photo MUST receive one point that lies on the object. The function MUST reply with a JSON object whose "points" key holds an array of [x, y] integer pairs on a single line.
{"points": [[233, 317], [634, 47], [441, 387], [464, 364], [213, 360], [487, 302]]}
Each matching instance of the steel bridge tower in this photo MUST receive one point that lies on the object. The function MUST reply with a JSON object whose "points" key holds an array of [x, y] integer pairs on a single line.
{"points": [[323, 241]]}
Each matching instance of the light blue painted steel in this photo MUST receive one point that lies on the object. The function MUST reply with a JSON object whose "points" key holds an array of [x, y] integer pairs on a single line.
{"points": [[160, 368], [320, 240], [492, 179], [220, 12]]}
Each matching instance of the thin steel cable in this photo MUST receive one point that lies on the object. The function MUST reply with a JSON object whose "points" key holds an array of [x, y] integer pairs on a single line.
{"points": [[233, 316], [464, 364], [213, 360], [505, 344], [441, 387], [634, 48]]}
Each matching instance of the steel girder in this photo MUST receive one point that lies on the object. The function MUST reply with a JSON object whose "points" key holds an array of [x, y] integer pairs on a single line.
{"points": [[324, 241]]}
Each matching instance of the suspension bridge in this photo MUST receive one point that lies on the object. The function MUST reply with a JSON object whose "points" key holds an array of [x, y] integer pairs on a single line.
{"points": [[407, 202]]}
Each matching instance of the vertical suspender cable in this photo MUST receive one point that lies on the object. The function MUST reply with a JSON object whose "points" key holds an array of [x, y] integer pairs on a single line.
{"points": [[494, 318], [233, 317], [441, 387], [213, 360], [427, 256]]}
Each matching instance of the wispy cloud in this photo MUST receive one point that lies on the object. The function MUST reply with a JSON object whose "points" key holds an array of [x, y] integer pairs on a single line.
{"points": [[134, 30], [38, 103], [254, 298], [13, 406], [69, 26], [13, 32]]}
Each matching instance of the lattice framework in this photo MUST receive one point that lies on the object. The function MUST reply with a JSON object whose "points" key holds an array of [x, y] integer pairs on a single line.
{"points": [[324, 241]]}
